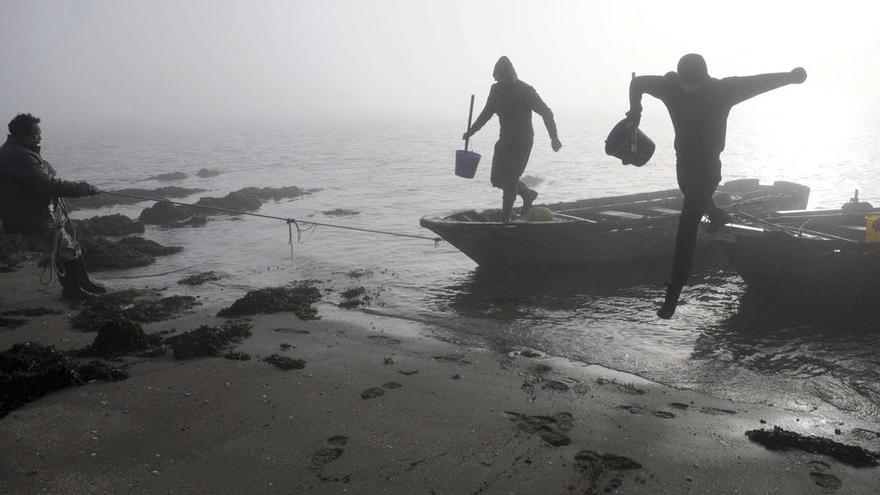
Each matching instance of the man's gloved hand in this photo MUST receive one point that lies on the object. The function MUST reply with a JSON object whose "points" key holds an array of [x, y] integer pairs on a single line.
{"points": [[467, 135], [798, 75], [556, 144], [87, 189], [634, 116]]}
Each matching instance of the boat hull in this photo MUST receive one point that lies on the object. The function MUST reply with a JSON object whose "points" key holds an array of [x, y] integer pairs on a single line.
{"points": [[832, 265], [613, 229]]}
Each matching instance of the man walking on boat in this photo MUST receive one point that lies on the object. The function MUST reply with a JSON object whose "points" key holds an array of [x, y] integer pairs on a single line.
{"points": [[698, 106], [513, 101]]}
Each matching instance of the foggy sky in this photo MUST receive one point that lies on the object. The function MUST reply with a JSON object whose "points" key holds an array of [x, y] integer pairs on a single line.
{"points": [[210, 61]]}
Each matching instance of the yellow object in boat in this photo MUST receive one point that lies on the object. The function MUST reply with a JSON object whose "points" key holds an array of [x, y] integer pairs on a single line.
{"points": [[872, 228], [540, 214]]}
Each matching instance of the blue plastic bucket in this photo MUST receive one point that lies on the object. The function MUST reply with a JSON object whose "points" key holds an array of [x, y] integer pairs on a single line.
{"points": [[466, 163], [633, 148]]}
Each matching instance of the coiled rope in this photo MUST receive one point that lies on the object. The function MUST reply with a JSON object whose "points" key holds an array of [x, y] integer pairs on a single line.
{"points": [[61, 225]]}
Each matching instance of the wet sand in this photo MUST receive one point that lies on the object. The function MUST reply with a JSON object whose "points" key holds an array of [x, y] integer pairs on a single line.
{"points": [[382, 406]]}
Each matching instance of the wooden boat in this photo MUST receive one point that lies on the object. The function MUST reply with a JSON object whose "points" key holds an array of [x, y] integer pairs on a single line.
{"points": [[599, 230], [826, 253]]}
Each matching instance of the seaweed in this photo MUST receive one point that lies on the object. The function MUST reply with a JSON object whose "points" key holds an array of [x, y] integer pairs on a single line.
{"points": [[13, 248], [339, 212], [781, 439], [284, 363], [165, 213], [11, 322], [107, 225], [169, 176], [103, 309], [147, 246], [232, 201], [120, 337], [207, 341], [29, 371], [208, 172], [31, 312], [129, 252], [354, 297], [237, 356], [200, 278], [297, 299], [151, 311]]}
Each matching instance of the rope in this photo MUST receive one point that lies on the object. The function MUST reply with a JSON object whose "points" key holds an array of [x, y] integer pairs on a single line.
{"points": [[61, 223], [294, 221]]}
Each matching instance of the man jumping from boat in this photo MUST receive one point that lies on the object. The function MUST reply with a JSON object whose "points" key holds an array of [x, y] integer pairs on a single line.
{"points": [[698, 106], [513, 101]]}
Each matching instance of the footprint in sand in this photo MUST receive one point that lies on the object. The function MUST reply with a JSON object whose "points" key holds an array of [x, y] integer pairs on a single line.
{"points": [[645, 412], [325, 456], [555, 385], [372, 393], [596, 466], [627, 388], [714, 411], [452, 358], [540, 369], [385, 338], [549, 428], [821, 475]]}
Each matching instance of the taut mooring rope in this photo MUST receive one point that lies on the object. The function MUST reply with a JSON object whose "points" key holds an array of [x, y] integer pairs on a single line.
{"points": [[293, 221]]}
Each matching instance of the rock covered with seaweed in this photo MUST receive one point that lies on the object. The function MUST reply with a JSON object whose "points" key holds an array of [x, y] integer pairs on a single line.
{"points": [[129, 252], [297, 299]]}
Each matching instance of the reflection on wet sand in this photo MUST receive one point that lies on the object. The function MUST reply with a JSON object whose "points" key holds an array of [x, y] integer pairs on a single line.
{"points": [[834, 346]]}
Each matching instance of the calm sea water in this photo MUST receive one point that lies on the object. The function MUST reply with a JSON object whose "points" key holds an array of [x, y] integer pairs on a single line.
{"points": [[723, 341]]}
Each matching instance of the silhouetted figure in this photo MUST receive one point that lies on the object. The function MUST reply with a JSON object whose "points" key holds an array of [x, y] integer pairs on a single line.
{"points": [[513, 101], [698, 106], [27, 189]]}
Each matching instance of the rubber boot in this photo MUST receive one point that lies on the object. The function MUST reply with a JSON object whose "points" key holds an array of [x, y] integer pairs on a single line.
{"points": [[673, 291], [717, 219], [70, 289], [529, 196], [85, 282]]}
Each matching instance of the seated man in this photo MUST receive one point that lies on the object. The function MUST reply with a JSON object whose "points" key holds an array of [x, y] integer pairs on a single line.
{"points": [[27, 189]]}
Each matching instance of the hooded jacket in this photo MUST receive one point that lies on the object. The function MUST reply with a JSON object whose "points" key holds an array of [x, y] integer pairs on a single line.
{"points": [[27, 187]]}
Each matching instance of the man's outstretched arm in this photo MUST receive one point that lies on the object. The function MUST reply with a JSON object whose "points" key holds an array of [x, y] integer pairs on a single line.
{"points": [[742, 88]]}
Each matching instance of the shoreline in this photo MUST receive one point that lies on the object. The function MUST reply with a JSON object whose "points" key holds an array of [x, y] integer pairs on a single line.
{"points": [[382, 406]]}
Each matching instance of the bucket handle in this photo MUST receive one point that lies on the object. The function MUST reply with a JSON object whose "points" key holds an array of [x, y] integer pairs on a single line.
{"points": [[634, 145], [470, 116]]}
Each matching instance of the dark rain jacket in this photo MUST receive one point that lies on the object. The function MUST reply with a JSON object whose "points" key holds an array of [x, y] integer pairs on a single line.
{"points": [[700, 118], [514, 106], [27, 187]]}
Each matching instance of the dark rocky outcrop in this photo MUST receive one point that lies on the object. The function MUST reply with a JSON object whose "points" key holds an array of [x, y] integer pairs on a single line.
{"points": [[207, 341], [168, 177], [107, 225], [129, 252], [297, 299], [29, 371]]}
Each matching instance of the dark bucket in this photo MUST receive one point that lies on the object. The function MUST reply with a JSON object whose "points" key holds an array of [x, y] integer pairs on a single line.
{"points": [[466, 163], [620, 144]]}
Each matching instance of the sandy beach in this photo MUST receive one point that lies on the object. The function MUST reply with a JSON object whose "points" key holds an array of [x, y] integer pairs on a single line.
{"points": [[385, 405]]}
